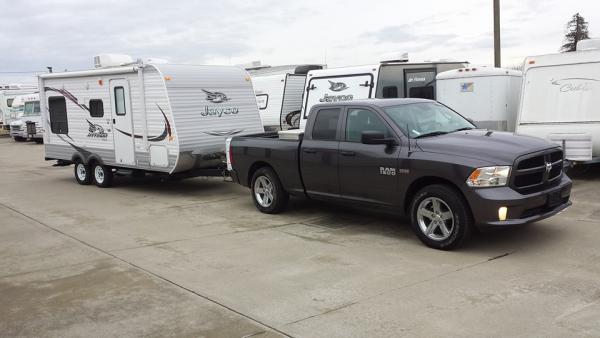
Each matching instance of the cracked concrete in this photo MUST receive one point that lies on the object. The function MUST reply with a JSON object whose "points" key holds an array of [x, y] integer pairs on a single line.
{"points": [[195, 258]]}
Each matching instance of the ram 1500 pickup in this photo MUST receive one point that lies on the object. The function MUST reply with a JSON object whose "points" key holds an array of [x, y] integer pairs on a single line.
{"points": [[416, 157]]}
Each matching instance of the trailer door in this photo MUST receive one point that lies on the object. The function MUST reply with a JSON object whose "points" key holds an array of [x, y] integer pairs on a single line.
{"points": [[419, 83], [123, 133]]}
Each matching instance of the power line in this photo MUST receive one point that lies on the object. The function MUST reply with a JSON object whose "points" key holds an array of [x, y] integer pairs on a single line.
{"points": [[22, 72]]}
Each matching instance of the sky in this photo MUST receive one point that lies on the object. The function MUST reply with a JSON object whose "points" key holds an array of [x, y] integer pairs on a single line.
{"points": [[66, 34]]}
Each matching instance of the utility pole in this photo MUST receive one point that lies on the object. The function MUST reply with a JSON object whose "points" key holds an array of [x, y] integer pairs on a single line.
{"points": [[497, 58]]}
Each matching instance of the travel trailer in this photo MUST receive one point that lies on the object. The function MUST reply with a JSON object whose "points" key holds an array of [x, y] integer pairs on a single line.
{"points": [[29, 124], [560, 100], [394, 77], [7, 97], [136, 117], [279, 94], [488, 96]]}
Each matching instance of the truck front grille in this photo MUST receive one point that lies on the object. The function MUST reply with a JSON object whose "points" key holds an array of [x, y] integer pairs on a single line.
{"points": [[538, 171]]}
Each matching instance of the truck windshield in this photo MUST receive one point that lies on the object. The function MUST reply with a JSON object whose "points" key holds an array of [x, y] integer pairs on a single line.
{"points": [[427, 119], [31, 108]]}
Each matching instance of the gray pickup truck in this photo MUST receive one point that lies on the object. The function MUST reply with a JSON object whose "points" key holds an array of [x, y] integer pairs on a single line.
{"points": [[411, 156]]}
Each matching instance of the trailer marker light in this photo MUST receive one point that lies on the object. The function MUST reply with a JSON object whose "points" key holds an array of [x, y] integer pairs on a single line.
{"points": [[100, 82], [531, 62], [502, 213], [466, 70], [167, 78]]}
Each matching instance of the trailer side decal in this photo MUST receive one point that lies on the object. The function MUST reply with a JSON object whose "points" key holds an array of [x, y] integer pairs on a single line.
{"points": [[166, 132]]}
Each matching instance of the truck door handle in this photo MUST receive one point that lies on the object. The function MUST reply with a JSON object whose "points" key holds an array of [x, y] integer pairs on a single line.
{"points": [[309, 150], [347, 153]]}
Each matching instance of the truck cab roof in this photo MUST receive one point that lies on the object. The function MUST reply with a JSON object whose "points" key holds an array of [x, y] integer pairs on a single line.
{"points": [[373, 103]]}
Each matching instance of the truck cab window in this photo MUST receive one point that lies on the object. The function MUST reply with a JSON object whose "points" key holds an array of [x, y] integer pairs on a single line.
{"points": [[57, 107], [120, 101], [360, 120], [96, 108], [326, 124]]}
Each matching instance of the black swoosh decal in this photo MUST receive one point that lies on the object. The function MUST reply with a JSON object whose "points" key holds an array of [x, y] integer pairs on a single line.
{"points": [[162, 136]]}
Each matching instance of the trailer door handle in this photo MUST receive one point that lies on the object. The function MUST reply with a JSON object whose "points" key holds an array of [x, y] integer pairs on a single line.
{"points": [[347, 153], [114, 121], [309, 150]]}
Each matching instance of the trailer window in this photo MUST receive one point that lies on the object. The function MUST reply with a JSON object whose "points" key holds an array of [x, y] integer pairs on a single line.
{"points": [[9, 102], [326, 124], [120, 101], [360, 120], [31, 108], [57, 107], [96, 108], [390, 92]]}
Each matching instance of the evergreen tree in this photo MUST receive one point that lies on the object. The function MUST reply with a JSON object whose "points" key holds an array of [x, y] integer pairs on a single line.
{"points": [[576, 30]]}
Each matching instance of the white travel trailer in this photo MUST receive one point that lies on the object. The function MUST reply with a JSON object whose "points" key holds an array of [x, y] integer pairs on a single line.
{"points": [[279, 94], [488, 96], [394, 77], [144, 117], [561, 99], [8, 93]]}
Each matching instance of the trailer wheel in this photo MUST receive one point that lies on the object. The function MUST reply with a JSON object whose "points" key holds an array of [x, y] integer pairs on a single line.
{"points": [[267, 191], [82, 173], [103, 175], [441, 217]]}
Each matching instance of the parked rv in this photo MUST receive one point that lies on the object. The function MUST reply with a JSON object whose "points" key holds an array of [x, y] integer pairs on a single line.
{"points": [[136, 117], [411, 156], [8, 93], [29, 123], [561, 96], [279, 94], [394, 77], [488, 96]]}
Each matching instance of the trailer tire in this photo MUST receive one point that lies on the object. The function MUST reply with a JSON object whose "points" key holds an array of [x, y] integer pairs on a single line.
{"points": [[441, 217], [102, 174], [39, 140], [267, 191], [82, 173]]}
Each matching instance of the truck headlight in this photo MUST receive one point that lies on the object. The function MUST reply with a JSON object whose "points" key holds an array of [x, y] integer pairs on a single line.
{"points": [[489, 177]]}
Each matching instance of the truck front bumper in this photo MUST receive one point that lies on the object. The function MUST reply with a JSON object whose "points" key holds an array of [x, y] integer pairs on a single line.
{"points": [[521, 209]]}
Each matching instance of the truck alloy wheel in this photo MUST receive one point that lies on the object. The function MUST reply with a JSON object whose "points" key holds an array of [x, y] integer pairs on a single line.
{"points": [[435, 218], [263, 191], [267, 191]]}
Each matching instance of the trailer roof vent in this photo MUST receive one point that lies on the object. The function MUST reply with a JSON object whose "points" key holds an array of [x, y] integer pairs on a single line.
{"points": [[111, 60], [588, 44], [395, 57]]}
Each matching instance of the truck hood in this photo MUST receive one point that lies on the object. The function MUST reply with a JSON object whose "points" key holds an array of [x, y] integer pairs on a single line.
{"points": [[498, 148]]}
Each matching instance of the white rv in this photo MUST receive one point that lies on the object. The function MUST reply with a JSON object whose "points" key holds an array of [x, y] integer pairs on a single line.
{"points": [[561, 99], [144, 117], [29, 123], [394, 77], [488, 96], [8, 93], [279, 94]]}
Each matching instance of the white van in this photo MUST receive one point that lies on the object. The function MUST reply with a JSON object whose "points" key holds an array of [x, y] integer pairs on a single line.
{"points": [[488, 96], [561, 100], [145, 117]]}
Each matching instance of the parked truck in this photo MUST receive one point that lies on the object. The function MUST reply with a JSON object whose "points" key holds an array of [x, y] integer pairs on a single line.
{"points": [[415, 157]]}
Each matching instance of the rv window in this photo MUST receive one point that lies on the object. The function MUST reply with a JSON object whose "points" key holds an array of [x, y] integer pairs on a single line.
{"points": [[390, 92], [422, 92], [360, 120], [326, 123], [96, 108], [9, 102], [120, 100], [58, 115]]}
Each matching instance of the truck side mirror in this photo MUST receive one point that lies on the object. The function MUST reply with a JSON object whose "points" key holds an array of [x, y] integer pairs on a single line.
{"points": [[376, 137]]}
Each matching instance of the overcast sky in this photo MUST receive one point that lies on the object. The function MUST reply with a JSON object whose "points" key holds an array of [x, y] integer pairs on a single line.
{"points": [[66, 34]]}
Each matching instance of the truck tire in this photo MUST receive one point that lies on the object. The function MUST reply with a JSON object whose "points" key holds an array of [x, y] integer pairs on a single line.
{"points": [[441, 217], [82, 173], [102, 174], [267, 191]]}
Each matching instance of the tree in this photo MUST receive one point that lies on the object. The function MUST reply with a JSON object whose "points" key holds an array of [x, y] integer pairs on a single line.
{"points": [[576, 30]]}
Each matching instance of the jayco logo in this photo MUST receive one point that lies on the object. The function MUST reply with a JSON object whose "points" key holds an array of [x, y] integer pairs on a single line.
{"points": [[96, 131], [337, 86], [574, 84], [215, 97], [218, 112], [336, 98]]}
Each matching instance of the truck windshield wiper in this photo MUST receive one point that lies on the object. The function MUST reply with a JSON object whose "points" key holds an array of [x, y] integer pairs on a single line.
{"points": [[435, 133], [462, 129]]}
